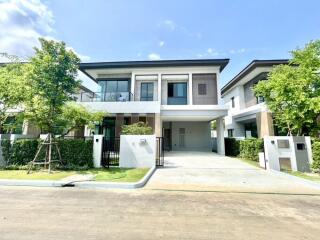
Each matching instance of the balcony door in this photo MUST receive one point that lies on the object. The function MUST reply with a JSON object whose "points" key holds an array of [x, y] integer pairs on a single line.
{"points": [[115, 90]]}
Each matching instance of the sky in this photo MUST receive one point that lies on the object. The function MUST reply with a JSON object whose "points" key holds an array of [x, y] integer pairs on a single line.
{"points": [[123, 30]]}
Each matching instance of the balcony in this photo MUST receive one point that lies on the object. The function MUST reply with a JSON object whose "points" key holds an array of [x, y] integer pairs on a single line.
{"points": [[106, 97]]}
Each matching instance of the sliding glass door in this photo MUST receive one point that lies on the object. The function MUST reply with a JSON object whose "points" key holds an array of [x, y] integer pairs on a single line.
{"points": [[115, 90]]}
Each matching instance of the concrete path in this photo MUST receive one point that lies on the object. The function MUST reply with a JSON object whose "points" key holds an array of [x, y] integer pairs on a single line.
{"points": [[72, 214], [209, 171]]}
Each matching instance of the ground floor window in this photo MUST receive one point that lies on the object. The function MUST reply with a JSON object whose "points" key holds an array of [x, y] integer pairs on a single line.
{"points": [[251, 130], [230, 133]]}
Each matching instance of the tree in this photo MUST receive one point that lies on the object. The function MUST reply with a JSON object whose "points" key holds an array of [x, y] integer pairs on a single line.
{"points": [[75, 116], [12, 88], [292, 92], [52, 80]]}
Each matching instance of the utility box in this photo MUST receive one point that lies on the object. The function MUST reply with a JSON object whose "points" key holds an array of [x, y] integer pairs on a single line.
{"points": [[288, 153]]}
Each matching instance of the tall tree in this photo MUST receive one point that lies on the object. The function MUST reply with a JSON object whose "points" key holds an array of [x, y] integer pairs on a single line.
{"points": [[12, 88], [292, 92], [52, 79]]}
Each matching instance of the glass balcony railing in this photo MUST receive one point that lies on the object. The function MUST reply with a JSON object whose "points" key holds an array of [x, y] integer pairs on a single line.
{"points": [[106, 97]]}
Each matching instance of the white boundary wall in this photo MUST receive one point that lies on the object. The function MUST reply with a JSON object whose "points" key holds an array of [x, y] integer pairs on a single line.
{"points": [[137, 151]]}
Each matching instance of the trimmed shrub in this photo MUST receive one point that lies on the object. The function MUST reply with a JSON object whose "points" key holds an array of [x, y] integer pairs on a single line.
{"points": [[75, 153], [139, 128], [316, 156], [232, 147], [250, 148]]}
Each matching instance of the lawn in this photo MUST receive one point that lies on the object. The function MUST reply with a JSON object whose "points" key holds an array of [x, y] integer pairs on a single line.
{"points": [[253, 163], [38, 175], [108, 175], [308, 176], [118, 174]]}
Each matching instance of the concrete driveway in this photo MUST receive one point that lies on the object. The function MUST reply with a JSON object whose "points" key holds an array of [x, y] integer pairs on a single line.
{"points": [[210, 171]]}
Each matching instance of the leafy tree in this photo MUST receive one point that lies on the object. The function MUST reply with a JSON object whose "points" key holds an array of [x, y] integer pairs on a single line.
{"points": [[52, 80], [12, 88], [75, 116], [292, 92], [139, 128]]}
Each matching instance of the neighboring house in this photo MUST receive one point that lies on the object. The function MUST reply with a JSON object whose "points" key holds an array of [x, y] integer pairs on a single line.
{"points": [[177, 98], [248, 115]]}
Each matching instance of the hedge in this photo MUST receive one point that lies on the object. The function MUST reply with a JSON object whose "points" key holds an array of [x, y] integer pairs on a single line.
{"points": [[232, 147], [75, 153], [316, 156], [250, 148]]}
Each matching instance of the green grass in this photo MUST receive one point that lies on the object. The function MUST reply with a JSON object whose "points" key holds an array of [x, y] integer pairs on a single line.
{"points": [[118, 174], [108, 175], [253, 163], [308, 176], [36, 175]]}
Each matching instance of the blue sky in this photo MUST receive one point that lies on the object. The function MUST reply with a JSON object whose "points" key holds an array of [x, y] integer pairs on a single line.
{"points": [[115, 30]]}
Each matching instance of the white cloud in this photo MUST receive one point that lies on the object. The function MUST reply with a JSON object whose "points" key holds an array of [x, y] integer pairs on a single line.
{"points": [[237, 51], [154, 56], [22, 22], [171, 25], [161, 43]]}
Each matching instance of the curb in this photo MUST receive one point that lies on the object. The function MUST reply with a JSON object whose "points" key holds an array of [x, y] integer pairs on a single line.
{"points": [[85, 184]]}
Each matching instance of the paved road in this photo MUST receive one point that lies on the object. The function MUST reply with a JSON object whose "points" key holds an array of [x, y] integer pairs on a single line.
{"points": [[209, 171], [69, 213]]}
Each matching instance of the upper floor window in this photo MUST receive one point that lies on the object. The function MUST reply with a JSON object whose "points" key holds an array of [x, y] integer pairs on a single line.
{"points": [[260, 99], [146, 91], [232, 102], [202, 89], [177, 93]]}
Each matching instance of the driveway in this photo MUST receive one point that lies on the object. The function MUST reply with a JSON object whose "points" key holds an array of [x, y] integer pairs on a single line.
{"points": [[210, 171]]}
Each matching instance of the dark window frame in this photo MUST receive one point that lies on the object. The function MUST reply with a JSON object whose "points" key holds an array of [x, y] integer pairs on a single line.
{"points": [[232, 102], [147, 98], [230, 132]]}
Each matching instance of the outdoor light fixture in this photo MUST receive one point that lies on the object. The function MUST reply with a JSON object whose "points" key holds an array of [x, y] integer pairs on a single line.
{"points": [[143, 141]]}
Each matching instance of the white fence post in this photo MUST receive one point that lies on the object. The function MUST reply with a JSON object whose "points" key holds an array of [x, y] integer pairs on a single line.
{"points": [[97, 150]]}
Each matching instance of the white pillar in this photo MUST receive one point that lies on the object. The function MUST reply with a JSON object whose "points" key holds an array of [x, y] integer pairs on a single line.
{"points": [[133, 82], [159, 87], [190, 89], [220, 136], [97, 150]]}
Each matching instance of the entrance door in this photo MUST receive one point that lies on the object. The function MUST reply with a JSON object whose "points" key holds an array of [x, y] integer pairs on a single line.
{"points": [[167, 139]]}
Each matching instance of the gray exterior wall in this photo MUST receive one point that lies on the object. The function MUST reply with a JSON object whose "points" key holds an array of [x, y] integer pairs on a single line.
{"points": [[197, 136], [249, 97], [211, 96]]}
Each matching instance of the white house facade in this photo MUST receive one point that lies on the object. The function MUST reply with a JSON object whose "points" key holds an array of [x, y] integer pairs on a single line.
{"points": [[248, 115], [177, 98]]}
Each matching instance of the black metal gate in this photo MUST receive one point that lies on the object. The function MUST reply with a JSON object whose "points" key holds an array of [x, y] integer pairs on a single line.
{"points": [[160, 152], [110, 152]]}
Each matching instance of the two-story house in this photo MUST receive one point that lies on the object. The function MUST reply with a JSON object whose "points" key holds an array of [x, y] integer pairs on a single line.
{"points": [[248, 115], [177, 98]]}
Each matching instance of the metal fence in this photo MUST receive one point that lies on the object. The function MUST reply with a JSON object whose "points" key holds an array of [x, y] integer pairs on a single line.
{"points": [[110, 152]]}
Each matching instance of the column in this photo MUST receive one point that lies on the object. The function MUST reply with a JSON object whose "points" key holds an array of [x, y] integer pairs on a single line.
{"points": [[220, 136], [157, 125], [264, 124], [159, 88], [134, 118], [190, 89], [119, 123], [150, 120]]}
